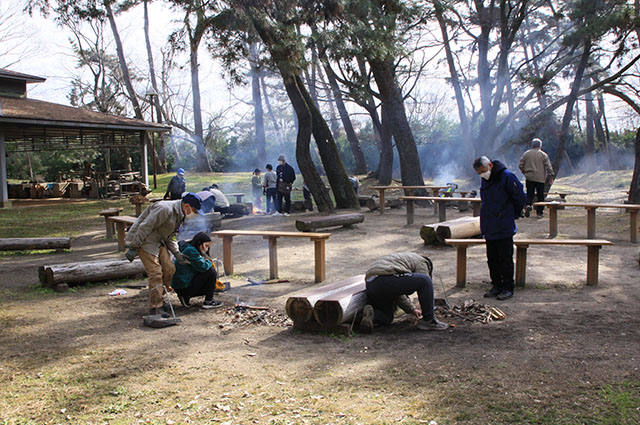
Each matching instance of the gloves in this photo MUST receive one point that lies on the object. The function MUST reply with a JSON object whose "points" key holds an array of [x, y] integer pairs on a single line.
{"points": [[131, 254], [180, 258]]}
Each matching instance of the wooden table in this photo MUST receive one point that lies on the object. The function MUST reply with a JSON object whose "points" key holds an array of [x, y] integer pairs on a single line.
{"points": [[122, 222], [237, 195], [553, 207], [110, 212], [272, 236], [593, 256], [442, 212], [434, 190]]}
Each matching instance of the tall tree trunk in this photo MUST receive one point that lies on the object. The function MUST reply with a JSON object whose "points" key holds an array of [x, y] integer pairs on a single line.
{"points": [[634, 188], [385, 168], [274, 121], [568, 112], [354, 144], [602, 130], [202, 160], [590, 145], [410, 170], [303, 140], [161, 157], [333, 119], [258, 112]]}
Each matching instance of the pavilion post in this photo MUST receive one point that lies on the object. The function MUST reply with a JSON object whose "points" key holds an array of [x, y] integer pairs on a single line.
{"points": [[143, 159], [4, 187]]}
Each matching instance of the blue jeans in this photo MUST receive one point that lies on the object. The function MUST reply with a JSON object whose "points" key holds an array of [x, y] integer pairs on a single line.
{"points": [[272, 203], [383, 290]]}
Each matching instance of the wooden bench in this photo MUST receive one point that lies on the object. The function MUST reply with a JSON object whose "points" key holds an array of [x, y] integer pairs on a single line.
{"points": [[23, 244], [311, 224], [110, 212], [553, 207], [122, 222], [434, 191], [442, 212], [593, 254], [272, 236]]}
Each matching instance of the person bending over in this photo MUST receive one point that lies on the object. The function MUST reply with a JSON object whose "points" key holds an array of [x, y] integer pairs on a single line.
{"points": [[390, 281], [198, 276]]}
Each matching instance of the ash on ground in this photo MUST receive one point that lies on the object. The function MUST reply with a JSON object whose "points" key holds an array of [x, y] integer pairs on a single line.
{"points": [[470, 311], [240, 316]]}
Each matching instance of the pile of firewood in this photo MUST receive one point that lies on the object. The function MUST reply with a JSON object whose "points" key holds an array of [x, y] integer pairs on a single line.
{"points": [[241, 315], [471, 311]]}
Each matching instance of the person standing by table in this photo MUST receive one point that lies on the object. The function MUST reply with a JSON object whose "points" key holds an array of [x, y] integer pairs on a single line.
{"points": [[286, 177], [256, 188], [177, 186], [502, 198], [269, 184], [537, 168]]}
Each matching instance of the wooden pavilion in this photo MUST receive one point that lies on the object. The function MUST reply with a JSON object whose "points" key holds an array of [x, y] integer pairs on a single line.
{"points": [[28, 125]]}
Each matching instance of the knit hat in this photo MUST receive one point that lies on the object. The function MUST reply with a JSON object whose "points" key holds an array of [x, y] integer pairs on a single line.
{"points": [[281, 158]]}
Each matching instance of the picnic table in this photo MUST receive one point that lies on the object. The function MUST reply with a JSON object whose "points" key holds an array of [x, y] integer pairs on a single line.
{"points": [[442, 212], [553, 207], [122, 222], [272, 236], [434, 190], [237, 195]]}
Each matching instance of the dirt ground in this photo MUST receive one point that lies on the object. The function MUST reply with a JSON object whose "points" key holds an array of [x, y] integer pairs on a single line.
{"points": [[566, 354]]}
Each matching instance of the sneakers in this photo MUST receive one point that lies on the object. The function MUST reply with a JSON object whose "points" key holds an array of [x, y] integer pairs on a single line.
{"points": [[184, 301], [211, 304], [433, 325], [366, 324], [527, 211], [286, 214], [504, 295], [493, 292], [162, 311], [276, 214]]}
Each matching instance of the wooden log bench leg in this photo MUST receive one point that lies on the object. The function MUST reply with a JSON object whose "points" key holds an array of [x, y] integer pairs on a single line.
{"points": [[381, 192], [591, 223], [110, 228], [633, 226], [434, 193], [442, 211], [273, 257], [476, 208], [227, 254], [410, 212], [461, 266], [553, 221], [593, 258], [320, 266], [521, 265], [121, 229]]}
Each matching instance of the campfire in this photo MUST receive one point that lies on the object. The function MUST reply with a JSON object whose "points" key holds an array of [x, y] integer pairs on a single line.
{"points": [[471, 311]]}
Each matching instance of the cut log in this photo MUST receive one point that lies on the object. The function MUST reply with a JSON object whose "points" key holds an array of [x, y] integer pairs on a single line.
{"points": [[340, 306], [18, 244], [460, 228], [368, 202], [311, 224], [89, 271], [428, 233], [300, 305]]}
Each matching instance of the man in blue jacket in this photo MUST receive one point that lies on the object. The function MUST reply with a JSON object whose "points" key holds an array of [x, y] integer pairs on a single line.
{"points": [[503, 198]]}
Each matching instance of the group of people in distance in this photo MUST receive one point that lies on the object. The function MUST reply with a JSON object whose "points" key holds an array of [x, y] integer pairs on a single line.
{"points": [[389, 280]]}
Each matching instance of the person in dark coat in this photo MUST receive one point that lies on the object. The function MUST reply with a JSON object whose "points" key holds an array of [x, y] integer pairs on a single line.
{"points": [[177, 186], [286, 176], [503, 198]]}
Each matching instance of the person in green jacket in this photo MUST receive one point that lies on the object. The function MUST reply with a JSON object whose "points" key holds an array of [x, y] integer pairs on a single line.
{"points": [[198, 276]]}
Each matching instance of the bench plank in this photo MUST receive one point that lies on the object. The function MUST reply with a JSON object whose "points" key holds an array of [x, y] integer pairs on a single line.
{"points": [[314, 223]]}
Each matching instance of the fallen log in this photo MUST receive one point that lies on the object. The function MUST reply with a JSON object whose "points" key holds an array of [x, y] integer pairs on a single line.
{"points": [[299, 306], [92, 271], [311, 224], [18, 244], [340, 306], [428, 233], [368, 202], [460, 228]]}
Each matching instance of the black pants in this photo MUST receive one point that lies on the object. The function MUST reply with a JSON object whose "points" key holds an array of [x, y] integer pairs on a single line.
{"points": [[202, 284], [500, 259], [286, 208], [383, 290], [272, 202], [535, 188]]}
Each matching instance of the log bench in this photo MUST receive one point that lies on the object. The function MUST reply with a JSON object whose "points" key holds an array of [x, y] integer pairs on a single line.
{"points": [[122, 223], [553, 207], [434, 191], [311, 224], [327, 307], [593, 254], [89, 271], [272, 236], [463, 227], [442, 212], [110, 212], [23, 244]]}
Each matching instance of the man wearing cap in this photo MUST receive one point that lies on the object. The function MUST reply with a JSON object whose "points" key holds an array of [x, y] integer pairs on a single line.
{"points": [[537, 168], [177, 186], [286, 177], [151, 237]]}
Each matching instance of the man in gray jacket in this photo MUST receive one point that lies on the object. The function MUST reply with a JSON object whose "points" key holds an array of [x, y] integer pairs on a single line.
{"points": [[152, 238], [536, 167], [389, 282]]}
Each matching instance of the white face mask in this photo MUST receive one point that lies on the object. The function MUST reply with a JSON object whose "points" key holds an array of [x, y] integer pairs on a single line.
{"points": [[486, 174], [281, 162], [191, 215]]}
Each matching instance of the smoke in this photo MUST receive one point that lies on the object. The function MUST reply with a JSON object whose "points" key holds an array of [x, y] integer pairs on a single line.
{"points": [[200, 223]]}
